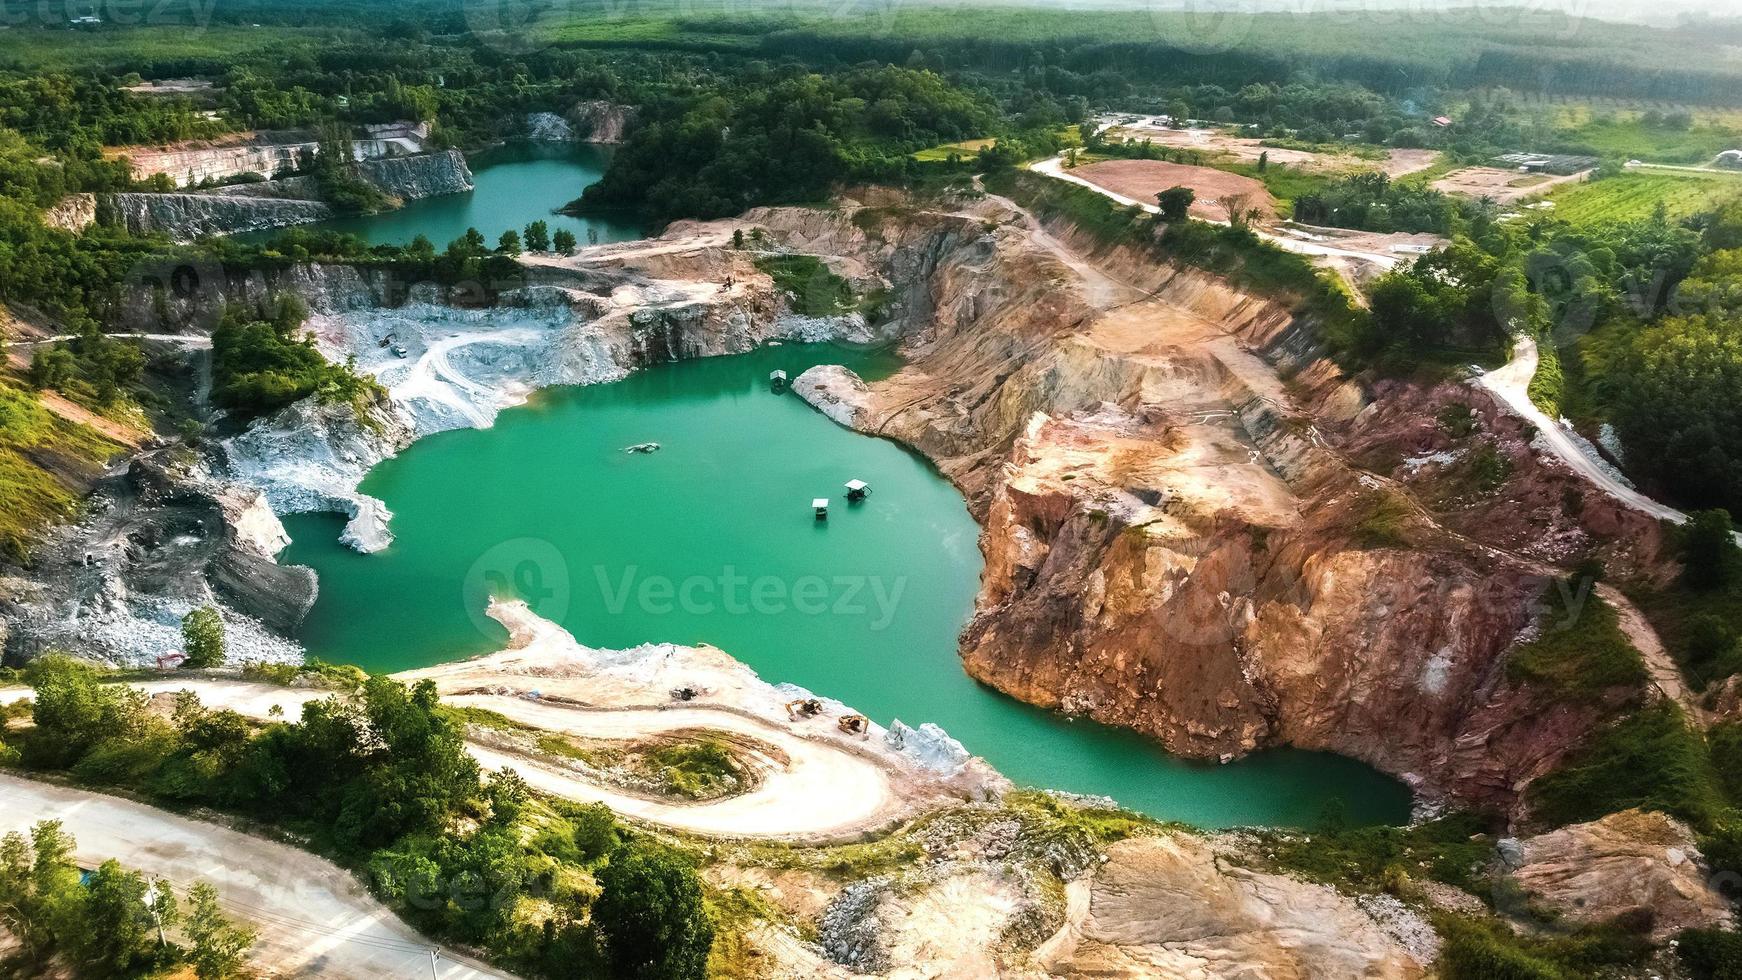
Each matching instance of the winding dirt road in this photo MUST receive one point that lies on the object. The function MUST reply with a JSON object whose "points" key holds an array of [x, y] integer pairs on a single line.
{"points": [[823, 791], [1054, 167], [1511, 385], [314, 918]]}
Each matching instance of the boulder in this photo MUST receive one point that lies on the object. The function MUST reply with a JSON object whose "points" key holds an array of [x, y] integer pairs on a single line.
{"points": [[1628, 863]]}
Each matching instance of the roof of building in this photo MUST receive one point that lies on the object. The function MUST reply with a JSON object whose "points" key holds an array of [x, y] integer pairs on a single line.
{"points": [[857, 485]]}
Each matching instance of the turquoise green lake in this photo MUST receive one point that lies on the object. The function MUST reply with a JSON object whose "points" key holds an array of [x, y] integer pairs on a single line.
{"points": [[712, 539], [515, 185]]}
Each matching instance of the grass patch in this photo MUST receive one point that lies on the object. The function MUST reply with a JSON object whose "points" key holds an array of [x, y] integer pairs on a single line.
{"points": [[1582, 655], [1450, 850], [963, 149], [1625, 136], [699, 770], [1284, 183], [1651, 759], [1384, 521], [809, 285], [43, 458], [1488, 950]]}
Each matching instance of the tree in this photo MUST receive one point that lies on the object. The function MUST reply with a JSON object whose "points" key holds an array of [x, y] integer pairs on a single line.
{"points": [[220, 947], [202, 633], [1239, 208], [118, 930], [651, 915], [1176, 203], [1709, 549], [509, 243], [73, 711], [538, 236], [51, 366], [39, 888], [564, 241]]}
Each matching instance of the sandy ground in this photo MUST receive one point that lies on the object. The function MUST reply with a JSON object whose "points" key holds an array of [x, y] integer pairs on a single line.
{"points": [[1504, 186], [820, 790], [826, 785], [314, 918], [1141, 180], [1216, 143]]}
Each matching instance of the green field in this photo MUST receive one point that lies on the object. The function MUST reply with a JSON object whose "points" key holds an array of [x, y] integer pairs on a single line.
{"points": [[124, 49], [961, 148], [1634, 196], [1624, 136]]}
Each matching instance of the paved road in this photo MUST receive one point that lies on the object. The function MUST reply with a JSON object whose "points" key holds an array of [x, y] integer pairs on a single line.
{"points": [[314, 918]]}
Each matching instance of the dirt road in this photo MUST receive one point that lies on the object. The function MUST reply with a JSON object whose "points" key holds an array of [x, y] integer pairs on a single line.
{"points": [[824, 790], [1511, 384], [1054, 167], [314, 918]]}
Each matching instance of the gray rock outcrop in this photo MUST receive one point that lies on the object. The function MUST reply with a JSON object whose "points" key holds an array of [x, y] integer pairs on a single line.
{"points": [[186, 217]]}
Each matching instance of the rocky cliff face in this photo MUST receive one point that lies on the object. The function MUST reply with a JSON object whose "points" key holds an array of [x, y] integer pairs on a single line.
{"points": [[279, 203], [73, 213], [186, 217], [415, 177], [1174, 540], [598, 121]]}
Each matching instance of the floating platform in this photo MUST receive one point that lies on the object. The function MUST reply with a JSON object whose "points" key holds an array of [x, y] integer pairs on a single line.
{"points": [[777, 381], [821, 506], [857, 490]]}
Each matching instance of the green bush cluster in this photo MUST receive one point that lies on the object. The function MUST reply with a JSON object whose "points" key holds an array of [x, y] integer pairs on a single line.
{"points": [[260, 364], [380, 779]]}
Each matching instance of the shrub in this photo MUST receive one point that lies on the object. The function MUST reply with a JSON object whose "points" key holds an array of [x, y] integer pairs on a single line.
{"points": [[1650, 759], [1582, 654], [202, 634], [1711, 954], [651, 915]]}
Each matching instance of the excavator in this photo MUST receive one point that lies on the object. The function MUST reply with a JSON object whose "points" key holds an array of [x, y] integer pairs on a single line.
{"points": [[803, 708], [856, 725]]}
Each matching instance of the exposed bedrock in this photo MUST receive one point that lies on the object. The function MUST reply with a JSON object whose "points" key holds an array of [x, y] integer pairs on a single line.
{"points": [[186, 217], [273, 203], [592, 121], [1174, 539], [160, 540]]}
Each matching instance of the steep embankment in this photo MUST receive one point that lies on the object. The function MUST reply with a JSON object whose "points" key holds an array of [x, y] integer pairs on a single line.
{"points": [[1175, 541], [241, 208]]}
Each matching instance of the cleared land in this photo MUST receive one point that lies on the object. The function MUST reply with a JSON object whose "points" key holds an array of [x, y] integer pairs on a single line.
{"points": [[963, 148], [1504, 186], [1245, 149], [1141, 180]]}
